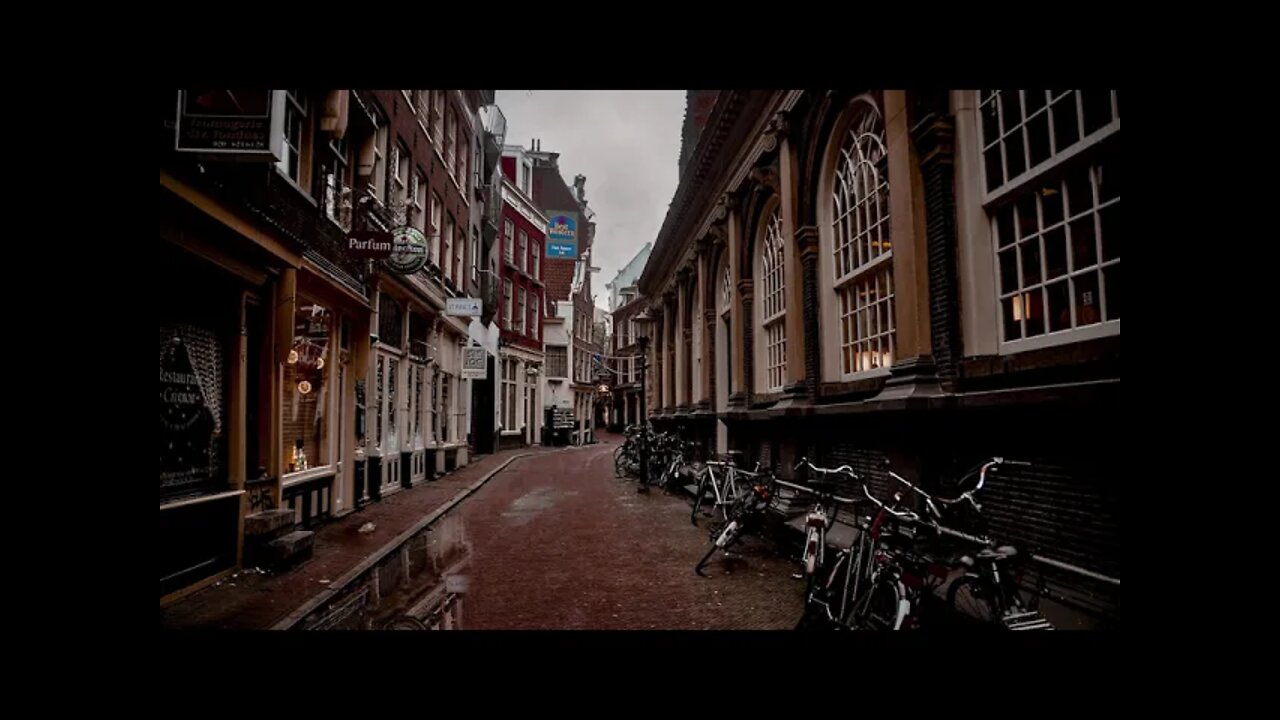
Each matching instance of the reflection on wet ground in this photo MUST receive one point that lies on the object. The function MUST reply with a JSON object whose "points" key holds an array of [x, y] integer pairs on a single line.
{"points": [[418, 586]]}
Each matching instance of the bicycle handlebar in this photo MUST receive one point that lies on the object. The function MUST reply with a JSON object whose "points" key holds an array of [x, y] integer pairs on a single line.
{"points": [[844, 469], [814, 491]]}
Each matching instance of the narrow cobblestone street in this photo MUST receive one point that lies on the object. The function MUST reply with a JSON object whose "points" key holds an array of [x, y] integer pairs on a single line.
{"points": [[559, 543]]}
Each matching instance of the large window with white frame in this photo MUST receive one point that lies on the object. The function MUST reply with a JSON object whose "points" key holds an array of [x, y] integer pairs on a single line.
{"points": [[433, 239], [508, 241], [297, 138], [400, 161], [520, 311], [1051, 176], [418, 200], [446, 255], [506, 304], [459, 248], [522, 250], [508, 401], [858, 251], [773, 306], [450, 141], [437, 116]]}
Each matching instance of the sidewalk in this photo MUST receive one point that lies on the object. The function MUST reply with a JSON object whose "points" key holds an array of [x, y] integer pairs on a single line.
{"points": [[252, 601]]}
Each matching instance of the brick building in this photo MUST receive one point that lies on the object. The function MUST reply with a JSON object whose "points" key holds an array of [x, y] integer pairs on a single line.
{"points": [[522, 243], [570, 306], [299, 380], [931, 279]]}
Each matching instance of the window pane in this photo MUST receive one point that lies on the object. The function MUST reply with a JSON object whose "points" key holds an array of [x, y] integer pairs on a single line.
{"points": [[1012, 307], [1086, 298], [1038, 135], [1097, 108], [1030, 262], [995, 175], [1035, 99], [1051, 204], [1059, 306], [1004, 225], [1065, 128], [1010, 109], [1111, 276], [990, 123], [1034, 304], [1111, 232], [1027, 222], [1079, 190], [1055, 252], [1109, 175], [1015, 155], [1084, 247]]}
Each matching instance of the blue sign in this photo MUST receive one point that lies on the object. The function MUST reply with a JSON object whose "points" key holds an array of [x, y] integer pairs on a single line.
{"points": [[562, 236]]}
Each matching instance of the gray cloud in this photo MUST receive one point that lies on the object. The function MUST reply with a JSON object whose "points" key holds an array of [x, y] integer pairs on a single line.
{"points": [[627, 143]]}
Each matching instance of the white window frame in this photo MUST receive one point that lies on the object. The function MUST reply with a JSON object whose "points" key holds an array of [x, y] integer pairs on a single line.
{"points": [[508, 241], [446, 238], [434, 238], [772, 310], [506, 303], [856, 251], [1000, 211], [522, 309], [522, 247], [295, 103], [451, 138]]}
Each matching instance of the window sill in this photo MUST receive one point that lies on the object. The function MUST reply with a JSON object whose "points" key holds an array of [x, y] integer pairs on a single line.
{"points": [[304, 476], [202, 499], [292, 183], [1061, 337]]}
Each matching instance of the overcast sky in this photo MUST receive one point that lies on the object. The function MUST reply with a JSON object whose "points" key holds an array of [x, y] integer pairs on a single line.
{"points": [[627, 143]]}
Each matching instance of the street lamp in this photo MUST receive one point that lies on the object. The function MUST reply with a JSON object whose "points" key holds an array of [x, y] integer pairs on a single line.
{"points": [[642, 323]]}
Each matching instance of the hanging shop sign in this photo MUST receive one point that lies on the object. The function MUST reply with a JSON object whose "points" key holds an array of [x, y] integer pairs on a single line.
{"points": [[408, 250], [240, 124], [475, 363], [562, 235], [462, 307], [370, 244]]}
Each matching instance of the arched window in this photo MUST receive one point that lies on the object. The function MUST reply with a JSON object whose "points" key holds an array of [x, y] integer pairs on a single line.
{"points": [[859, 252], [773, 306]]}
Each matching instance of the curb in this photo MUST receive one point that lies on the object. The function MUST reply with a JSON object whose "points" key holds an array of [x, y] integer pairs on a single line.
{"points": [[354, 573]]}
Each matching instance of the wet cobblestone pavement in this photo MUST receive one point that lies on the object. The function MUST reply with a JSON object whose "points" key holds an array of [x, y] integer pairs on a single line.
{"points": [[557, 542]]}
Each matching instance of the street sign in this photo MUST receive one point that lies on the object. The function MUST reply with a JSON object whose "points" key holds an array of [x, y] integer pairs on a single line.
{"points": [[462, 307]]}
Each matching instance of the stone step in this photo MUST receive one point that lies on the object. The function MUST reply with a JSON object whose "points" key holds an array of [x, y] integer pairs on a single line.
{"points": [[291, 548], [268, 524]]}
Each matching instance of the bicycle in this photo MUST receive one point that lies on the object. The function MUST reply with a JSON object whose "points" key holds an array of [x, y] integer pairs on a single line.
{"points": [[744, 516], [724, 489]]}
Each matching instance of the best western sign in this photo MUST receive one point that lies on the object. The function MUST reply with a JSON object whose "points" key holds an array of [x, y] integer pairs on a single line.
{"points": [[562, 235]]}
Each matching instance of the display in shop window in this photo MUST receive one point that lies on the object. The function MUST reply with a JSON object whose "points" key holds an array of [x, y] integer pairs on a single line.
{"points": [[306, 442], [190, 408]]}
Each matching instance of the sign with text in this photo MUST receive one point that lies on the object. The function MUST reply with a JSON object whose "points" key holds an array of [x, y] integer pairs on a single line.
{"points": [[244, 123], [408, 250], [562, 235], [369, 244], [462, 307], [475, 363]]}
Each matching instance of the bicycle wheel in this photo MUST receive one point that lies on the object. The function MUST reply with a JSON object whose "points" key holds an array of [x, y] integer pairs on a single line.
{"points": [[878, 608], [699, 495], [974, 598], [619, 461]]}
